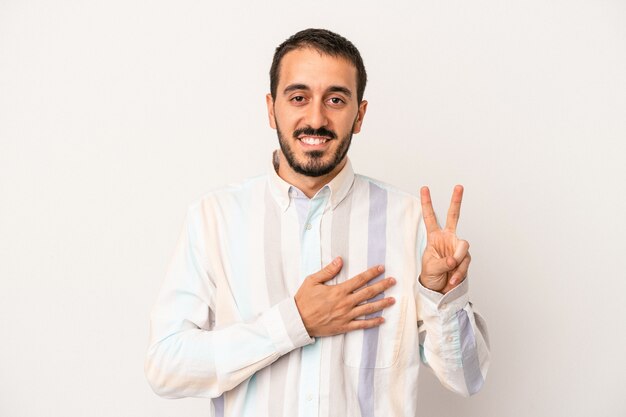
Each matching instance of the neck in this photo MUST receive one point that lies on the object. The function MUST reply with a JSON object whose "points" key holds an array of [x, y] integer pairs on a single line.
{"points": [[308, 185]]}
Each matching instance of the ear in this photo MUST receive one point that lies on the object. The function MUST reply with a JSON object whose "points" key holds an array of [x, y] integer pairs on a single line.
{"points": [[359, 117], [270, 110]]}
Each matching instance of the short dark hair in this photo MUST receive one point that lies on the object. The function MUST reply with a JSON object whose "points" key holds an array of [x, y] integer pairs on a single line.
{"points": [[326, 42]]}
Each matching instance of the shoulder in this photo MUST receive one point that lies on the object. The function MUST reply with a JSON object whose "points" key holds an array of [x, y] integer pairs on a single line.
{"points": [[404, 210], [392, 193], [229, 196]]}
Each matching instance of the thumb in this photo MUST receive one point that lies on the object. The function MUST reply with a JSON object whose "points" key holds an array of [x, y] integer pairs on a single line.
{"points": [[328, 272]]}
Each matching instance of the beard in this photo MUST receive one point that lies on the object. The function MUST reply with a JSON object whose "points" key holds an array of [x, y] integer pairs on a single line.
{"points": [[314, 164]]}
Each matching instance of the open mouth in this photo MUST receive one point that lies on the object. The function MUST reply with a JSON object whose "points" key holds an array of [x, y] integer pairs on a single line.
{"points": [[313, 140]]}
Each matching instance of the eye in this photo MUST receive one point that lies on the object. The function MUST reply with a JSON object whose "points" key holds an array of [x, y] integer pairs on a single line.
{"points": [[336, 100], [297, 99]]}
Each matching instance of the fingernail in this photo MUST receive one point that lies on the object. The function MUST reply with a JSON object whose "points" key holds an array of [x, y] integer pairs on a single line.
{"points": [[336, 261], [392, 281], [392, 300], [381, 268]]}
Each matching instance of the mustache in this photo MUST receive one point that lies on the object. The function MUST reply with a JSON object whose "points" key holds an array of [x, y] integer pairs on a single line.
{"points": [[309, 131]]}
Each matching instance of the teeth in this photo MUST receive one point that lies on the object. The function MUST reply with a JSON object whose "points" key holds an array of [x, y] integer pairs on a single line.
{"points": [[313, 141]]}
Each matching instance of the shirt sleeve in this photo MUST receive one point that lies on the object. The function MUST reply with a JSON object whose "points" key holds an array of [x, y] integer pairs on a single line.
{"points": [[454, 342], [188, 356]]}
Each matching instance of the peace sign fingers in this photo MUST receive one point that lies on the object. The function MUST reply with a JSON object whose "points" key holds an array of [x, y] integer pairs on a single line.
{"points": [[446, 257], [454, 212], [430, 220]]}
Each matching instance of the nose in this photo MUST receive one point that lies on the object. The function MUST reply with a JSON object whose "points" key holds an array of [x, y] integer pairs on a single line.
{"points": [[316, 115]]}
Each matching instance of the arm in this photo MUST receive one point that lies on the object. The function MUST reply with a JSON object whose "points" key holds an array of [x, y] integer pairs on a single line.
{"points": [[188, 356], [453, 338]]}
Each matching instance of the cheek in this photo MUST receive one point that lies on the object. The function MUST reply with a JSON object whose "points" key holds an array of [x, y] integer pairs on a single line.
{"points": [[285, 118], [347, 123]]}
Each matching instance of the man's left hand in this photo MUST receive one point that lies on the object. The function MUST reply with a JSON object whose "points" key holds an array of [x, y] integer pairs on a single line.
{"points": [[446, 258]]}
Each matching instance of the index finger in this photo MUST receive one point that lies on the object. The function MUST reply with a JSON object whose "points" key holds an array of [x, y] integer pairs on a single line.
{"points": [[430, 220], [454, 212], [363, 278]]}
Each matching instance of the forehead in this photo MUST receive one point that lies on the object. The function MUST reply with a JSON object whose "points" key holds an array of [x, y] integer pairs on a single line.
{"points": [[316, 69]]}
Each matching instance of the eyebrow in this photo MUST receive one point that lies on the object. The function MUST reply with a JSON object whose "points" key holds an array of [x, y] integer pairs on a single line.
{"points": [[340, 89], [331, 89]]}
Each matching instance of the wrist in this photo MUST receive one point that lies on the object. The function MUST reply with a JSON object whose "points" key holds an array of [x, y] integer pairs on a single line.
{"points": [[436, 288], [300, 308]]}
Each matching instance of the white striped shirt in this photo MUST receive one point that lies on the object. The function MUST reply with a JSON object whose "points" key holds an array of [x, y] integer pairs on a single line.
{"points": [[226, 327]]}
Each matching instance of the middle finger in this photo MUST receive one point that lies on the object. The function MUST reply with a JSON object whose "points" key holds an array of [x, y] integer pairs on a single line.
{"points": [[371, 291]]}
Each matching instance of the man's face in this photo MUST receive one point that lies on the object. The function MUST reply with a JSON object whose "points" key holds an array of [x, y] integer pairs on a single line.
{"points": [[315, 111]]}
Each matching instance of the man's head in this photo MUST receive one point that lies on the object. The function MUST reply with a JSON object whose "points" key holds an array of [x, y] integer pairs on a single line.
{"points": [[316, 102], [325, 42]]}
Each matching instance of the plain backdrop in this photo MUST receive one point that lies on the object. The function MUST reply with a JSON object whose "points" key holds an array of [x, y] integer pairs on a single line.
{"points": [[116, 115]]}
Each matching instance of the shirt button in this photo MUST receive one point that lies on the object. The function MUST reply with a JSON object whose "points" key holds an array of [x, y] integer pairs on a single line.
{"points": [[308, 226], [309, 397], [449, 338]]}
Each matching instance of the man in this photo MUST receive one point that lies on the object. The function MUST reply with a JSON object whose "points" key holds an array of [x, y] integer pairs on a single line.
{"points": [[313, 291]]}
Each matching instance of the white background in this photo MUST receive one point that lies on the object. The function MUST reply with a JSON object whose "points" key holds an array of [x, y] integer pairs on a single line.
{"points": [[115, 115]]}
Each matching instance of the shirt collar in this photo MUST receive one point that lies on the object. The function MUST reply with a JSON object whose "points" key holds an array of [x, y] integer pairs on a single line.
{"points": [[339, 186]]}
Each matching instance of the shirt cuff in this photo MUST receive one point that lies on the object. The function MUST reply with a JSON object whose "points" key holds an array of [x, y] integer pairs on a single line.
{"points": [[447, 305], [285, 326]]}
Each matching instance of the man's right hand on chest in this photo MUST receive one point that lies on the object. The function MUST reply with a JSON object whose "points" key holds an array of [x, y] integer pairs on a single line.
{"points": [[327, 310]]}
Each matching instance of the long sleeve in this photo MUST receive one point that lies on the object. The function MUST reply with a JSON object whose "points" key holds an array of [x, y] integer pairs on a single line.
{"points": [[453, 339], [454, 342], [188, 355]]}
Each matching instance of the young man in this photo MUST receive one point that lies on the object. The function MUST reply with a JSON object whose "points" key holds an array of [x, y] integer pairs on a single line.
{"points": [[313, 291]]}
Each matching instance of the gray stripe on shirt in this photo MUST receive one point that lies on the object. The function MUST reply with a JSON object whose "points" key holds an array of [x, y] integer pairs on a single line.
{"points": [[471, 366], [376, 248]]}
